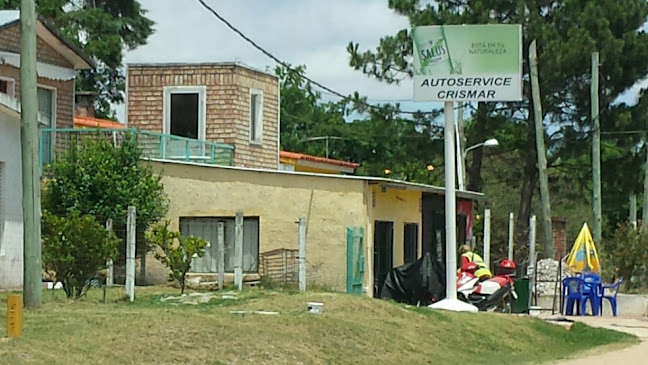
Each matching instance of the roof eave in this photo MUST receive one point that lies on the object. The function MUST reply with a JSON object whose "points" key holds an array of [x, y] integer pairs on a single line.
{"points": [[86, 62]]}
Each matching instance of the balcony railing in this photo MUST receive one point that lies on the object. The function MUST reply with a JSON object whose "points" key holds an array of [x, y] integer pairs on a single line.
{"points": [[154, 145]]}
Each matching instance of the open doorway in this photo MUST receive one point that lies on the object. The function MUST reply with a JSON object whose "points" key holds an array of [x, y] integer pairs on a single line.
{"points": [[383, 252]]}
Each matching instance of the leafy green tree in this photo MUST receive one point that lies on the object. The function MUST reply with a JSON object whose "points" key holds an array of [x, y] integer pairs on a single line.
{"points": [[567, 32], [75, 249], [176, 251], [380, 139], [94, 177], [104, 29]]}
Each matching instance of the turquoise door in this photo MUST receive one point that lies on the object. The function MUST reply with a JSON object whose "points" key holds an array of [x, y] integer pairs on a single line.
{"points": [[355, 259]]}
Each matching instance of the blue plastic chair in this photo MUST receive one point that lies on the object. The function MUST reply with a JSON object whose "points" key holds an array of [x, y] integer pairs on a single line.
{"points": [[593, 288], [611, 298], [574, 293]]}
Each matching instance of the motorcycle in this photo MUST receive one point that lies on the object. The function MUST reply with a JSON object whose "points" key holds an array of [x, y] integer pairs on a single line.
{"points": [[489, 294]]}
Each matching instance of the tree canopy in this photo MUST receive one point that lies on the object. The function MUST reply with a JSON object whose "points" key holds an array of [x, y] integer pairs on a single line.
{"points": [[567, 32]]}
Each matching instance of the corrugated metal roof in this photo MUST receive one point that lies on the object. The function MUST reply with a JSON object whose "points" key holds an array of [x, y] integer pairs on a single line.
{"points": [[471, 195]]}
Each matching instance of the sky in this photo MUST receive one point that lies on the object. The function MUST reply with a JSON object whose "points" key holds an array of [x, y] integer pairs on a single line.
{"points": [[314, 33]]}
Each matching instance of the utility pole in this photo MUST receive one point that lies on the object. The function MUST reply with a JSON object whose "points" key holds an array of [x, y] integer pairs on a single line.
{"points": [[32, 265], [596, 149], [540, 147]]}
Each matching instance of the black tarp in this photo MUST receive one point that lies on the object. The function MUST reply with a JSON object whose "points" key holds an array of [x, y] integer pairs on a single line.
{"points": [[421, 282]]}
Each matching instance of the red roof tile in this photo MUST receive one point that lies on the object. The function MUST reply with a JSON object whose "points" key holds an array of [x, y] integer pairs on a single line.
{"points": [[96, 123], [329, 161]]}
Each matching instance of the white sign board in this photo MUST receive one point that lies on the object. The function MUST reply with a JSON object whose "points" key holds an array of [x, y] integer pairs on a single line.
{"points": [[468, 62]]}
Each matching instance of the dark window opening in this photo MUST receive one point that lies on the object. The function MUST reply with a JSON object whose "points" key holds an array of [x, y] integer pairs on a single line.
{"points": [[184, 115], [410, 241]]}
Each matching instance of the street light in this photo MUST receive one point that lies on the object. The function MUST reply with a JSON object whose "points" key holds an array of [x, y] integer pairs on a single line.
{"points": [[462, 171]]}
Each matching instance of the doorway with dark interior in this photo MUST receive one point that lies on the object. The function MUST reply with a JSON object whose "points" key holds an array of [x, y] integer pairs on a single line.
{"points": [[383, 253]]}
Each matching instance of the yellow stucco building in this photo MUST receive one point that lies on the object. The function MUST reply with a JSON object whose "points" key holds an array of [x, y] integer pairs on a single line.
{"points": [[391, 215]]}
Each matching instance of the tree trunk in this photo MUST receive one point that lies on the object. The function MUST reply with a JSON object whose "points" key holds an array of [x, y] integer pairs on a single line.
{"points": [[474, 170]]}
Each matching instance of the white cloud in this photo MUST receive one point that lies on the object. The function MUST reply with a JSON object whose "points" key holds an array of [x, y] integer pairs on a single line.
{"points": [[310, 32]]}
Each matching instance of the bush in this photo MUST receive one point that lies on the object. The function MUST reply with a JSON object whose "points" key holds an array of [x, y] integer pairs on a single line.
{"points": [[626, 255], [94, 177], [75, 249], [177, 251]]}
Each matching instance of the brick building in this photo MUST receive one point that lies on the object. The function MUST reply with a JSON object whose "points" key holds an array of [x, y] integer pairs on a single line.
{"points": [[58, 60], [218, 102]]}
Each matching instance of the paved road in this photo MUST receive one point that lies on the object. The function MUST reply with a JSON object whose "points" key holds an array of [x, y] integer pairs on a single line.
{"points": [[637, 354]]}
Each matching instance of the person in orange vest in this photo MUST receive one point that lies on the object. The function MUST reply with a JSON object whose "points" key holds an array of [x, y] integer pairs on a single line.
{"points": [[467, 256]]}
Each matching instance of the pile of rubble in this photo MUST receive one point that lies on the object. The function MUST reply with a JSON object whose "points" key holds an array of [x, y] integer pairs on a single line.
{"points": [[547, 276], [198, 298]]}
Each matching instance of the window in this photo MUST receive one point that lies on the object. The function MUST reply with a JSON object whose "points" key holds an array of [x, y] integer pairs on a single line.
{"points": [[256, 116], [47, 108], [7, 86], [410, 243], [184, 111], [207, 228]]}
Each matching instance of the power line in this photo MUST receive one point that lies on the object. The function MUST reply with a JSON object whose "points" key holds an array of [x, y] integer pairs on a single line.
{"points": [[284, 64]]}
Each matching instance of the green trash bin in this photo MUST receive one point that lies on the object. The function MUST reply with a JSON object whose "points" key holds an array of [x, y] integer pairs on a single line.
{"points": [[521, 304]]}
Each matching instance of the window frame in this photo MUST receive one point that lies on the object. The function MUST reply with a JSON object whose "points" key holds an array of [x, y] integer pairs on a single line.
{"points": [[256, 124], [213, 245], [202, 107], [53, 119]]}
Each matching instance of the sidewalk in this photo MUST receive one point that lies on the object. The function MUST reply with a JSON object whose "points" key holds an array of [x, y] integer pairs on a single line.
{"points": [[636, 354]]}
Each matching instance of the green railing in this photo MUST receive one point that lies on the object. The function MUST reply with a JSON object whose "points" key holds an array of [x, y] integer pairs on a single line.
{"points": [[154, 145]]}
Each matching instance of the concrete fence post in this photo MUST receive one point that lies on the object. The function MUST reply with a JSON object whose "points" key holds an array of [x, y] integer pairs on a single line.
{"points": [[302, 254]]}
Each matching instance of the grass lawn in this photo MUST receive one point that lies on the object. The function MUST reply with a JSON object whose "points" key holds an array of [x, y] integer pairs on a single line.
{"points": [[352, 330]]}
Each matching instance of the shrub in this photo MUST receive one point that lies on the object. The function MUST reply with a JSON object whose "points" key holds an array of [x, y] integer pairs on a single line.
{"points": [[175, 251], [75, 249], [94, 177], [626, 255]]}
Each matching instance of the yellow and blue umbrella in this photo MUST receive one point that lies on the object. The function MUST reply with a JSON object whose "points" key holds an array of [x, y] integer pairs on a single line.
{"points": [[583, 256]]}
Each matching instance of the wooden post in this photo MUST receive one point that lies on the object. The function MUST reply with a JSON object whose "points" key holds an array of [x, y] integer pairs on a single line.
{"points": [[510, 238], [596, 151], [487, 223], [540, 147], [130, 253], [302, 254], [14, 315], [238, 251], [221, 255], [633, 210], [110, 281]]}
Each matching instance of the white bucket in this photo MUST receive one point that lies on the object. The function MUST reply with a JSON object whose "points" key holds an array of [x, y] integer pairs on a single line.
{"points": [[534, 311], [314, 307]]}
